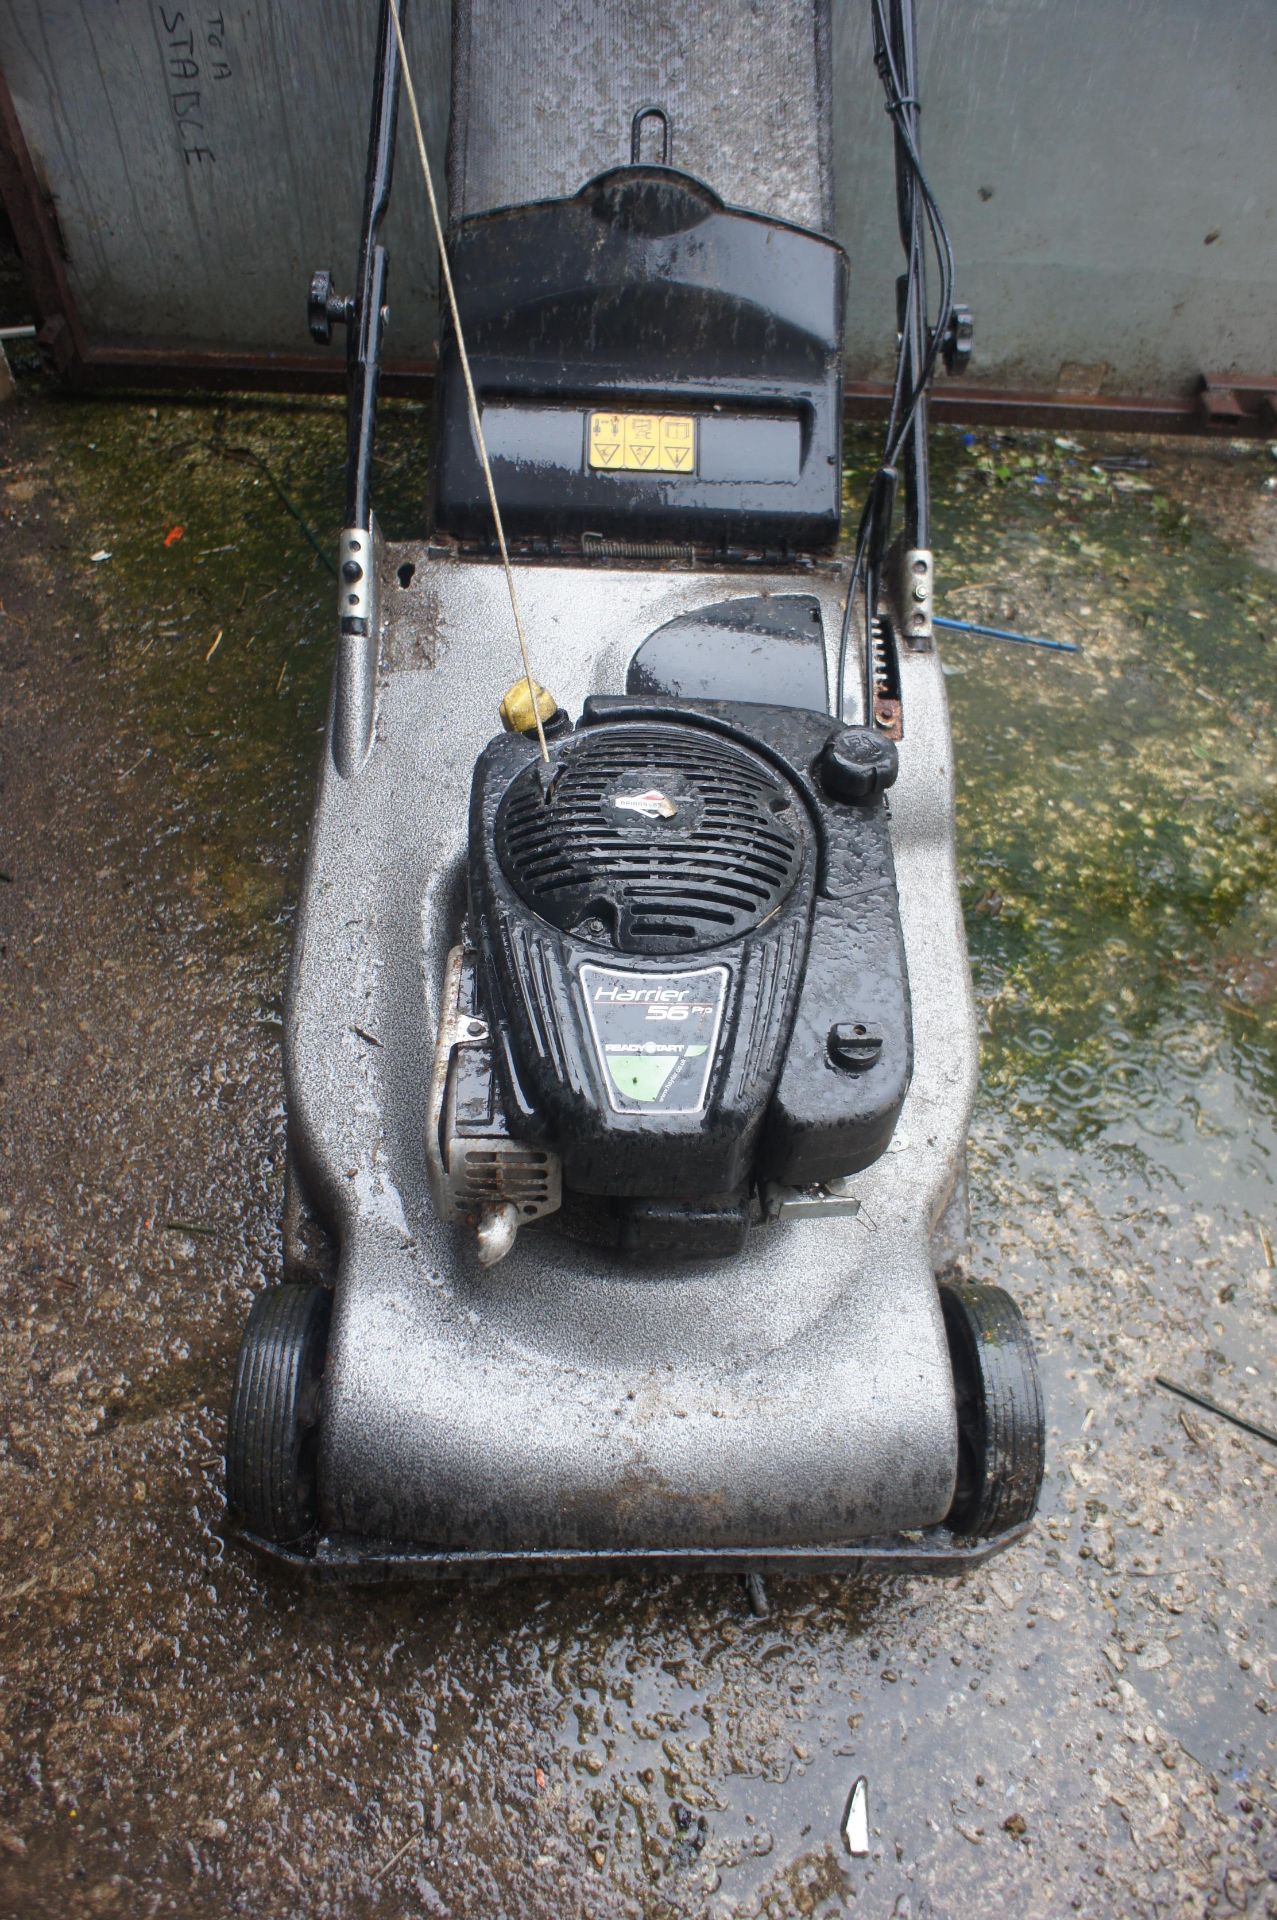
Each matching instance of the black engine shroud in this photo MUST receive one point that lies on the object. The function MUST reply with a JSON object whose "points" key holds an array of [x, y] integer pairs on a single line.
{"points": [[688, 950]]}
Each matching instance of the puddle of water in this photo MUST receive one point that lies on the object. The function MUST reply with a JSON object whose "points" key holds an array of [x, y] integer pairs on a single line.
{"points": [[1117, 816]]}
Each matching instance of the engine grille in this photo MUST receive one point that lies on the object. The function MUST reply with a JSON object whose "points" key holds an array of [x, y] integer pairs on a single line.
{"points": [[483, 1172], [654, 840]]}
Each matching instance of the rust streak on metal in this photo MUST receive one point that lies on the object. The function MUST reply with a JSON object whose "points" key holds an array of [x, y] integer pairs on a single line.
{"points": [[228, 370]]}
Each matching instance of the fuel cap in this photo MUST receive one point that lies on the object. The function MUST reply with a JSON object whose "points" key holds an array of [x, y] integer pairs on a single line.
{"points": [[853, 1046], [857, 764]]}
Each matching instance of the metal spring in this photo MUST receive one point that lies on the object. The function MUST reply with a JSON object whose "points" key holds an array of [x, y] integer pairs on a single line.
{"points": [[595, 547], [881, 673], [886, 711]]}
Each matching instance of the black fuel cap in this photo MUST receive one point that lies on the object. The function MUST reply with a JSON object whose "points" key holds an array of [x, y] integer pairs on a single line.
{"points": [[857, 764]]}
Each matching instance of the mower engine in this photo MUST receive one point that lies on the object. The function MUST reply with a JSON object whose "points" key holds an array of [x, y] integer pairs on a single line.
{"points": [[680, 1002]]}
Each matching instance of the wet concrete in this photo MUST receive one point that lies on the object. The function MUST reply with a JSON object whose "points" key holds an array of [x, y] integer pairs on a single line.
{"points": [[1090, 1724]]}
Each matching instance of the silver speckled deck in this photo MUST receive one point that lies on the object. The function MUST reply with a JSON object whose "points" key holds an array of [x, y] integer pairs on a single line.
{"points": [[800, 1393]]}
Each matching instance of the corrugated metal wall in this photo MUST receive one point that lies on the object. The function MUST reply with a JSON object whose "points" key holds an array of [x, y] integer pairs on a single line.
{"points": [[1108, 171], [205, 158]]}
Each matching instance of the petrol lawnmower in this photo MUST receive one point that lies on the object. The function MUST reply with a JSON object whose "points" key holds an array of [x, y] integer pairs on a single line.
{"points": [[630, 1046]]}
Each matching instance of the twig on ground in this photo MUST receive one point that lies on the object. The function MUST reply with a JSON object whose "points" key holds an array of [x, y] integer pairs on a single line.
{"points": [[1212, 1406]]}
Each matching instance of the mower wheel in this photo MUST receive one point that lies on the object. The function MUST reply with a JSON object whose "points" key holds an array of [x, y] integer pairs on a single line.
{"points": [[273, 1429], [1001, 1428]]}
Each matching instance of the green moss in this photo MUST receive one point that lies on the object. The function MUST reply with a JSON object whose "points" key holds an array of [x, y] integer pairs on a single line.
{"points": [[1117, 811], [216, 607]]}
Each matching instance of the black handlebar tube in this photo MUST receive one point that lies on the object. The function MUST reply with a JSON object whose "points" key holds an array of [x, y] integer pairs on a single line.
{"points": [[367, 324], [913, 317]]}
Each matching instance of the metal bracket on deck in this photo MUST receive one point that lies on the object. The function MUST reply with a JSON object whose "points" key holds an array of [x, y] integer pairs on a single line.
{"points": [[358, 648], [357, 578], [909, 574]]}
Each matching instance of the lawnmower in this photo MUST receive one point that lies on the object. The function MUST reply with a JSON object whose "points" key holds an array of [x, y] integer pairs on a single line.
{"points": [[630, 1047]]}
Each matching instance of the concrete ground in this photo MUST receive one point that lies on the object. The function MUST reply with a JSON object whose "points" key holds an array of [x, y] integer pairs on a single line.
{"points": [[1088, 1725]]}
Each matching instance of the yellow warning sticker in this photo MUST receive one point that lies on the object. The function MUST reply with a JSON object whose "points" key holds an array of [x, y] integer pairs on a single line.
{"points": [[643, 442]]}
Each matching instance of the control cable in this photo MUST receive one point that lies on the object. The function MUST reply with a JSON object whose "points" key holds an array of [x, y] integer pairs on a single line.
{"points": [[475, 423], [874, 530]]}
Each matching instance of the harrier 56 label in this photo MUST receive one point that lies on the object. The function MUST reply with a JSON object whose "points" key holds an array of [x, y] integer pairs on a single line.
{"points": [[655, 1035]]}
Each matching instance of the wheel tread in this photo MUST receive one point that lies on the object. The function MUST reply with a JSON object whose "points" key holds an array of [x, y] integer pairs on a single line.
{"points": [[281, 1347], [992, 1350]]}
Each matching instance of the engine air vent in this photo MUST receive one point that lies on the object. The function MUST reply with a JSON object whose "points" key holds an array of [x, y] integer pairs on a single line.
{"points": [[654, 839]]}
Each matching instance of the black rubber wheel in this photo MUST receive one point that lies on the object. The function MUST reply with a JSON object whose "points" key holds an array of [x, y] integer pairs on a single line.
{"points": [[1001, 1428], [273, 1431]]}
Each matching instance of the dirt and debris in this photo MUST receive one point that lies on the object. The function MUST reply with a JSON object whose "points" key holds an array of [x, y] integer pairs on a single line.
{"points": [[1089, 1725]]}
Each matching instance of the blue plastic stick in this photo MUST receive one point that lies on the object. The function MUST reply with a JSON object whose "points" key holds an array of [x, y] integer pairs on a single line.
{"points": [[1004, 633]]}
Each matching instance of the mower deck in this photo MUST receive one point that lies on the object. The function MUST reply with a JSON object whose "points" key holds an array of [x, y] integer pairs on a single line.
{"points": [[566, 1406]]}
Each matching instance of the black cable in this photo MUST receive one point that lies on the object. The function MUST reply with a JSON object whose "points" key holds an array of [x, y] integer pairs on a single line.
{"points": [[897, 100], [873, 532]]}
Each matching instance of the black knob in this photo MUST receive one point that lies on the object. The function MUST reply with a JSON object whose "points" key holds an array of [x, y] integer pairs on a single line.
{"points": [[958, 341], [324, 308], [857, 764]]}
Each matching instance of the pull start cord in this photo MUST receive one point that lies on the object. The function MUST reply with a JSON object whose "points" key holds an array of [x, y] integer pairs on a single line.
{"points": [[464, 358]]}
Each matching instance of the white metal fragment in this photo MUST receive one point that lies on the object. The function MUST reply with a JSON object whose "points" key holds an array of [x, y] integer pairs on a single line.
{"points": [[855, 1823]]}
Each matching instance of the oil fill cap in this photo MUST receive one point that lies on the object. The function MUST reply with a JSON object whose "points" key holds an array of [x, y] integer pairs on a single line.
{"points": [[853, 1046], [857, 764]]}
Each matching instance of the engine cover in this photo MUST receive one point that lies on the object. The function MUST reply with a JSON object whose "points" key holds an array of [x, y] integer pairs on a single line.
{"points": [[687, 950]]}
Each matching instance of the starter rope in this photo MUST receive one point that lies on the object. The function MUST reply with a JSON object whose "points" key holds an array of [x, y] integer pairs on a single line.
{"points": [[464, 358]]}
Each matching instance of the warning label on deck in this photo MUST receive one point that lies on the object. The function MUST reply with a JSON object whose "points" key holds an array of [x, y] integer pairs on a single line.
{"points": [[643, 442]]}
